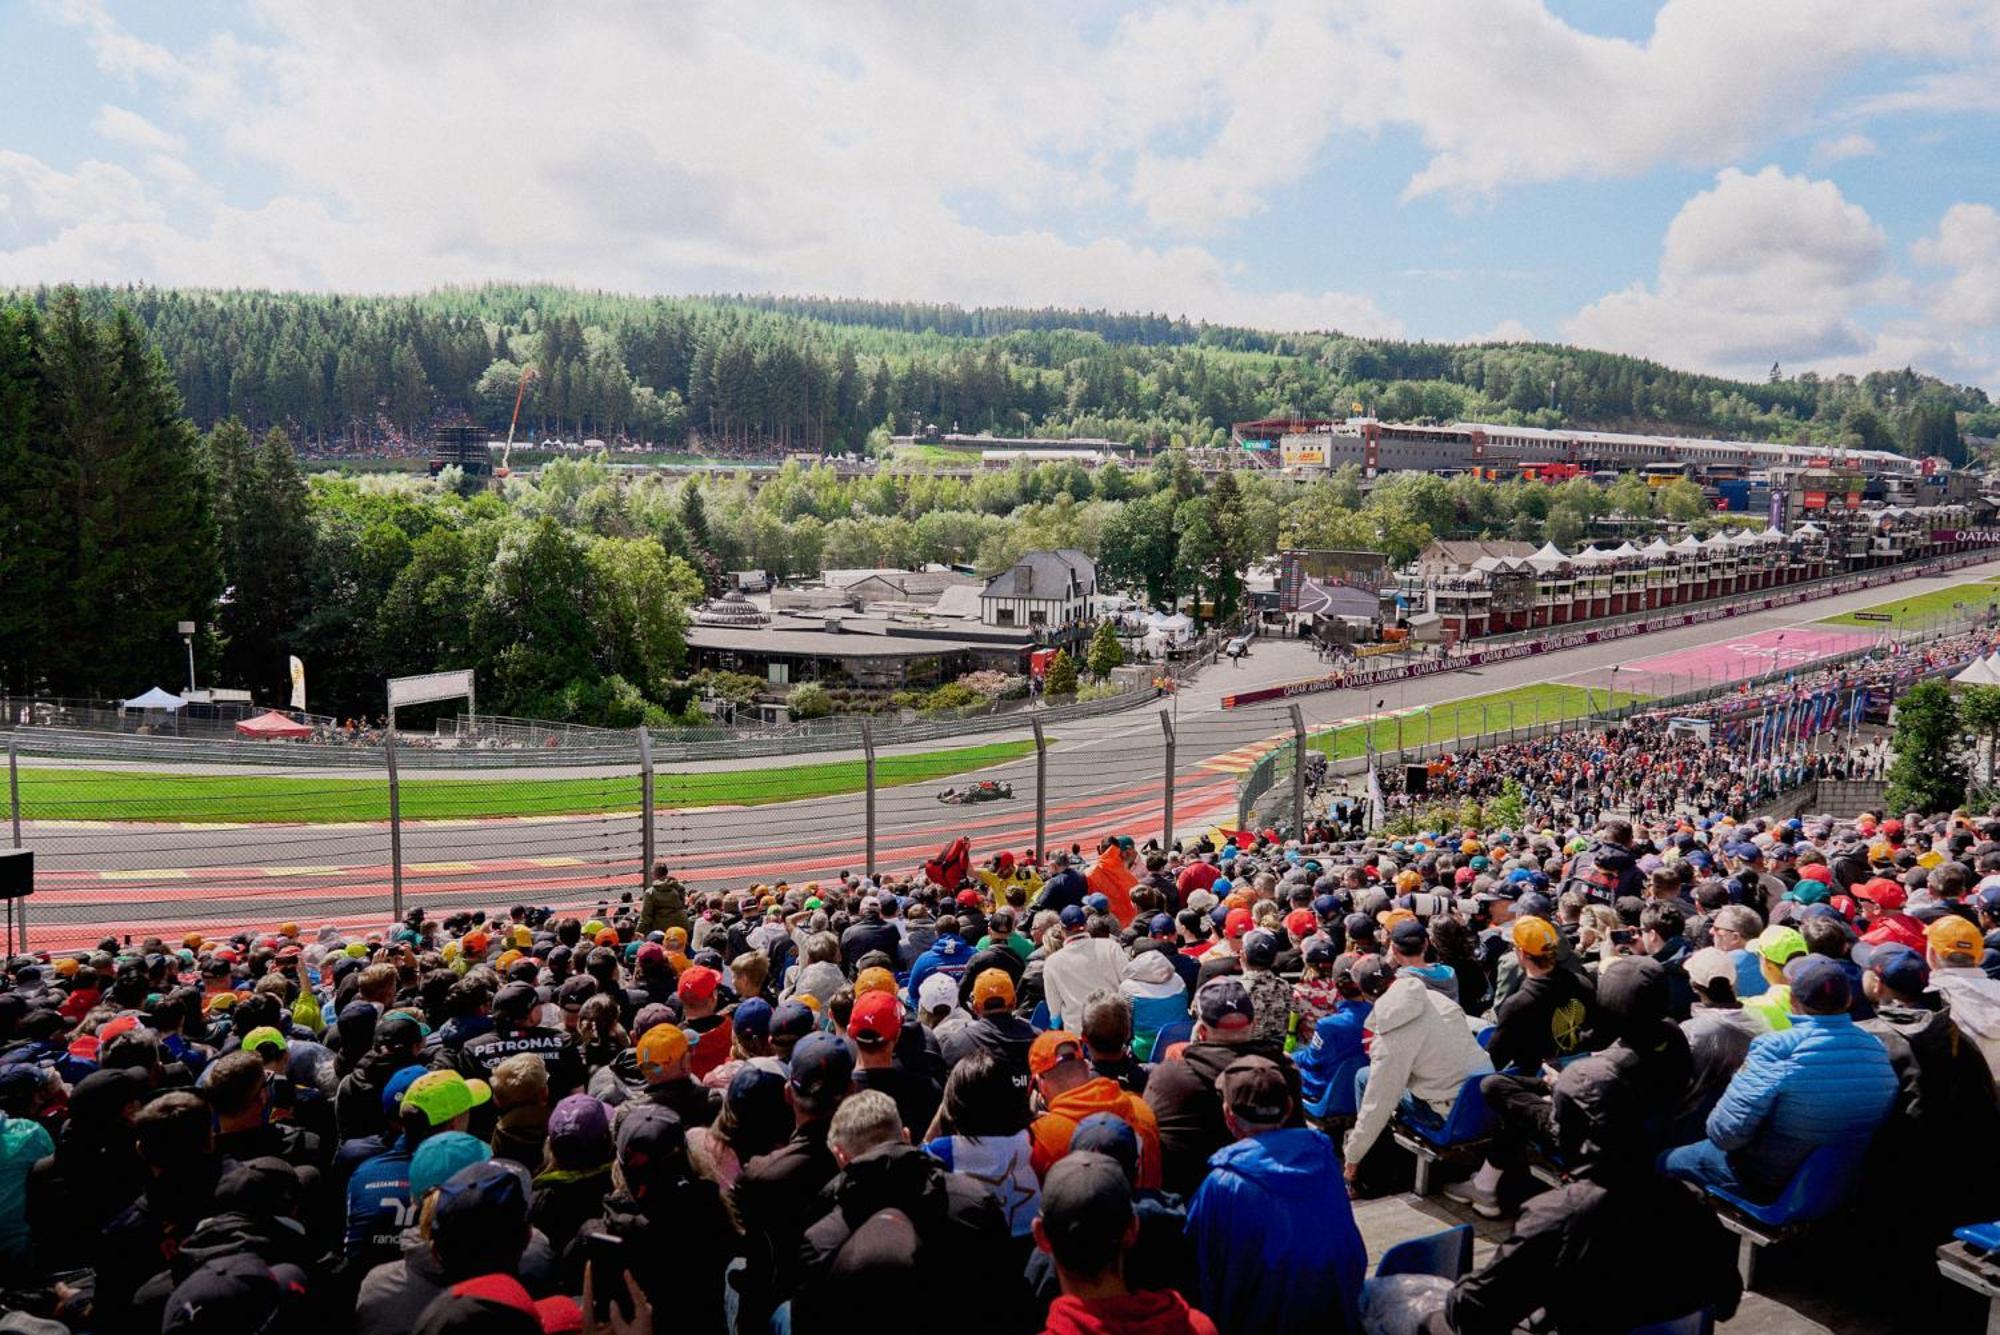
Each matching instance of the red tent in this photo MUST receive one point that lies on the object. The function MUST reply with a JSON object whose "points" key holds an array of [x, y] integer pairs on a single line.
{"points": [[271, 723]]}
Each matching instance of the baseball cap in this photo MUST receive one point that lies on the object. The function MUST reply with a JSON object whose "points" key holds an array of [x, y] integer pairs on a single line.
{"points": [[1224, 1003], [1535, 937], [1110, 1135], [1901, 969], [1708, 964], [1882, 891], [1809, 891], [493, 1304], [443, 1095], [580, 1129], [822, 1065], [438, 1159], [399, 1085], [232, 1294], [1321, 950], [1408, 936], [992, 990], [939, 992], [661, 1049], [1301, 923], [877, 1020], [1261, 949], [1372, 975], [876, 979], [263, 1039], [1819, 984], [1052, 1048], [1238, 924], [793, 1019], [1952, 935], [1255, 1090], [698, 983], [1778, 944], [1086, 1203], [1359, 925], [1073, 916], [1161, 925]]}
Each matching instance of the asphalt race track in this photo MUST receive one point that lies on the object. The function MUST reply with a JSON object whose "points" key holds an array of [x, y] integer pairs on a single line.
{"points": [[1105, 776]]}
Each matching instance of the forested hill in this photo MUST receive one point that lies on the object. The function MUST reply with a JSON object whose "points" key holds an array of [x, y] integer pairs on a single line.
{"points": [[751, 371]]}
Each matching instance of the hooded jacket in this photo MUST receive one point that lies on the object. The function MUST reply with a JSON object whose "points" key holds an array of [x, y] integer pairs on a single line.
{"points": [[1274, 1237], [1051, 1131], [1335, 1041], [1142, 1313], [393, 1295], [1823, 1080], [690, 1230], [1158, 997], [1946, 1090], [1188, 1108], [1646, 1060], [897, 1220], [1975, 1008], [1422, 1046], [1545, 1018], [948, 954]]}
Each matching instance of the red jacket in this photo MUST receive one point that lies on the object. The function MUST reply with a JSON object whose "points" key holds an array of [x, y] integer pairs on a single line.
{"points": [[1151, 1312]]}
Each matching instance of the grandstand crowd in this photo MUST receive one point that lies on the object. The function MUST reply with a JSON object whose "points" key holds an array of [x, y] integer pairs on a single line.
{"points": [[1120, 1089]]}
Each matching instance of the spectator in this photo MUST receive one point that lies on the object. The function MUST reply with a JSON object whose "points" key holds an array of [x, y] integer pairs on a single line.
{"points": [[1107, 1037], [1820, 1082], [1423, 1049], [1953, 948], [662, 1210], [776, 1194], [576, 1177], [1718, 1033], [1089, 961], [1182, 1091], [874, 1028], [1069, 1091], [984, 1122], [1273, 1207], [1088, 1228], [1158, 997]]}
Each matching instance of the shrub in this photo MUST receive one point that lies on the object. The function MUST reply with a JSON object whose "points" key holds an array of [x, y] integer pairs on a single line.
{"points": [[1060, 678], [809, 700]]}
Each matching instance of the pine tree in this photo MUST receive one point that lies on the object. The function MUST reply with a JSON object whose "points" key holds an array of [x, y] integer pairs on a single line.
{"points": [[1105, 651], [267, 542], [1059, 678], [33, 530]]}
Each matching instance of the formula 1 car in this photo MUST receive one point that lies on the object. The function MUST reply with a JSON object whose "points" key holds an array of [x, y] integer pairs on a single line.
{"points": [[986, 790]]}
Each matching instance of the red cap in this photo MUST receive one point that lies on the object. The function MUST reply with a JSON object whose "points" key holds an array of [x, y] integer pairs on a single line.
{"points": [[699, 983], [1301, 923], [1464, 876], [124, 1024], [1882, 892], [651, 953], [877, 1020], [1238, 924], [1892, 827], [968, 899]]}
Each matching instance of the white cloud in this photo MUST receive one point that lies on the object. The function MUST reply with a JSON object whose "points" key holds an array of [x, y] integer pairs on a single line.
{"points": [[1756, 269], [1840, 149], [135, 131], [1968, 241], [1507, 331]]}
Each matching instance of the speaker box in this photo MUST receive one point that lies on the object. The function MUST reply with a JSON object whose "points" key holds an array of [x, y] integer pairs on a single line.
{"points": [[1416, 778], [17, 873]]}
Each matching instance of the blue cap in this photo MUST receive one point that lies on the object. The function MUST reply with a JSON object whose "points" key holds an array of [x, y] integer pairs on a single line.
{"points": [[1326, 905], [1097, 903], [1819, 984], [1901, 969], [1219, 916], [1221, 886], [1535, 905], [1108, 1134], [440, 1157], [753, 1017], [1074, 916], [793, 1019], [822, 1064], [1161, 925], [399, 1085]]}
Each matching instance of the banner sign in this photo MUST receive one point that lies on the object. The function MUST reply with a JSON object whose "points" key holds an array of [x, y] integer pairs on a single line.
{"points": [[428, 687]]}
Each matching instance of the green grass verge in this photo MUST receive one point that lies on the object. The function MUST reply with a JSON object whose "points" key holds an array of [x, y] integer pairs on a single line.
{"points": [[1469, 718], [142, 795], [1919, 608]]}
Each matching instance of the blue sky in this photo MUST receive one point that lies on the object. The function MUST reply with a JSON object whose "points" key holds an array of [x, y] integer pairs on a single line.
{"points": [[1716, 184]]}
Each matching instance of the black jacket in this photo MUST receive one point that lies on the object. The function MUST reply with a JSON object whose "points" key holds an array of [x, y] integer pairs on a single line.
{"points": [[683, 1245], [1571, 1253], [899, 1224], [556, 1047], [775, 1199], [993, 957], [866, 935], [1184, 1100], [1546, 1017]]}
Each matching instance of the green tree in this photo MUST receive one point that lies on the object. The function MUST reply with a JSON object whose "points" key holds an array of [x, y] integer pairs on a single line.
{"points": [[809, 700], [1059, 677], [640, 598], [1105, 651], [1929, 772], [266, 540], [1979, 710], [533, 623]]}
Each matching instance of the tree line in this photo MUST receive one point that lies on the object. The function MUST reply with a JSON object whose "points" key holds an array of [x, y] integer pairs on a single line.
{"points": [[746, 373]]}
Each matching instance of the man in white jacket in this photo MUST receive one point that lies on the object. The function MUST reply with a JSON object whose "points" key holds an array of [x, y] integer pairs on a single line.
{"points": [[1089, 961], [1422, 1046], [1955, 946]]}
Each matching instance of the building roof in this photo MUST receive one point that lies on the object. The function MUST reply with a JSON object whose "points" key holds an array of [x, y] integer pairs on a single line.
{"points": [[1044, 574], [1465, 552], [822, 643]]}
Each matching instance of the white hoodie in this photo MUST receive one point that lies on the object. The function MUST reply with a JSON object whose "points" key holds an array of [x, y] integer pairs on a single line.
{"points": [[1084, 965], [1422, 1046], [1975, 1008]]}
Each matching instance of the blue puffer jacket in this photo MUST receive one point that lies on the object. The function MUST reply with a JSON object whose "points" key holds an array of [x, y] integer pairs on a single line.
{"points": [[1336, 1039], [1274, 1237], [1823, 1080]]}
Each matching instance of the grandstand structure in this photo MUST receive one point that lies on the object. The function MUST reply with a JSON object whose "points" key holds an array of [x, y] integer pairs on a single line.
{"points": [[1389, 447]]}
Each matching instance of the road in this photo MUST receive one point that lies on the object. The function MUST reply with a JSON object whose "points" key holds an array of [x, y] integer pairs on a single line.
{"points": [[1104, 776]]}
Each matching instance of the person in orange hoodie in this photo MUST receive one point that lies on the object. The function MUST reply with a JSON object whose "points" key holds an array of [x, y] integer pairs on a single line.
{"points": [[1068, 1092], [1112, 876]]}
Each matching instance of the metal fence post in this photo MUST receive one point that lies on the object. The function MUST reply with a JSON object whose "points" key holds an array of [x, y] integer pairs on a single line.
{"points": [[1041, 790], [19, 907], [868, 764], [1167, 781], [646, 810], [395, 826], [1298, 773]]}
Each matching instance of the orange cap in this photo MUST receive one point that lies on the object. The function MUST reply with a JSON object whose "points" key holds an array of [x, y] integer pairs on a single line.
{"points": [[663, 1049], [876, 979], [1535, 936], [1953, 935], [992, 985], [1052, 1048]]}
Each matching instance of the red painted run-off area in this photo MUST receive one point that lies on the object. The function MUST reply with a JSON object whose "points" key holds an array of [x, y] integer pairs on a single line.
{"points": [[1729, 658]]}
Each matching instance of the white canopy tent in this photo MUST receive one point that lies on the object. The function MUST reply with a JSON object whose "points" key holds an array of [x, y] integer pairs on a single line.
{"points": [[155, 699], [1980, 672]]}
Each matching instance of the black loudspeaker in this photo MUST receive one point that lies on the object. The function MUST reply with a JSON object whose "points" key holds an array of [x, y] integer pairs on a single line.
{"points": [[1416, 778], [17, 873]]}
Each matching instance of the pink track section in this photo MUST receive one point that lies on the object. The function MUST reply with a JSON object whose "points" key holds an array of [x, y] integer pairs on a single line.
{"points": [[1734, 657]]}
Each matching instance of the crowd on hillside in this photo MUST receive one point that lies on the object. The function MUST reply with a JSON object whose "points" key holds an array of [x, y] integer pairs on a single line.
{"points": [[1128, 1091]]}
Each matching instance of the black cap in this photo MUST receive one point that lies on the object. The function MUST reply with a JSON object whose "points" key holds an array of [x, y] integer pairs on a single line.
{"points": [[1408, 936], [516, 1001], [1255, 1090], [266, 1188], [1373, 974], [1086, 1208], [232, 1295]]}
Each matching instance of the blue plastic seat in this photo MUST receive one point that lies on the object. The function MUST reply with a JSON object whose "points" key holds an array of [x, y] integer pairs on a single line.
{"points": [[1338, 1100], [1485, 1035], [1820, 1187], [1694, 1323], [1470, 1118], [1040, 1019], [1180, 1031], [1447, 1255]]}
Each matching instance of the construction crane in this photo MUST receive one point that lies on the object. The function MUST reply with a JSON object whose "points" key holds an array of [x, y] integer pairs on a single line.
{"points": [[520, 392]]}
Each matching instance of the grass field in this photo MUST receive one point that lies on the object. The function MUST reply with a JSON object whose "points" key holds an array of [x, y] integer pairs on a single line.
{"points": [[137, 795], [1917, 609], [1469, 717]]}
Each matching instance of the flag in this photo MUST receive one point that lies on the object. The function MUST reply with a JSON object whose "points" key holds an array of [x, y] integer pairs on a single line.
{"points": [[298, 684]]}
